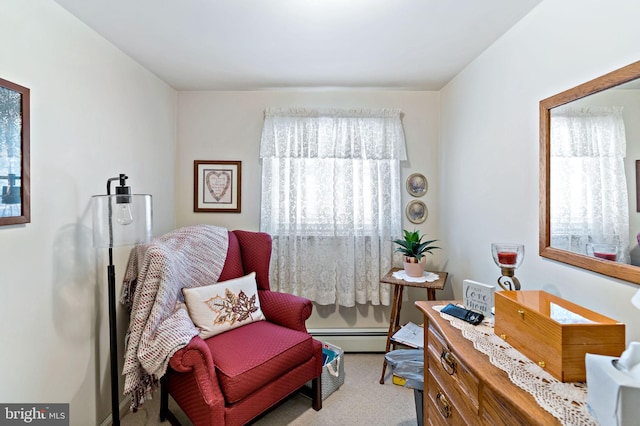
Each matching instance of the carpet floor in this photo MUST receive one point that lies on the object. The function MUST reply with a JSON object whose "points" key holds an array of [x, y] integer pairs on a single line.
{"points": [[361, 400]]}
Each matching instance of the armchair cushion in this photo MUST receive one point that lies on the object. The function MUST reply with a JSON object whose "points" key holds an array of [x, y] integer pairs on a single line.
{"points": [[223, 306], [256, 354]]}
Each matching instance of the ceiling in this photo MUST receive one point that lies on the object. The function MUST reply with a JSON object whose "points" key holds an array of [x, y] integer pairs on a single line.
{"points": [[278, 44]]}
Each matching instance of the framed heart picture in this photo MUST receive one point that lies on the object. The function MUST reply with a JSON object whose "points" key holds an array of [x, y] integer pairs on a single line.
{"points": [[217, 186]]}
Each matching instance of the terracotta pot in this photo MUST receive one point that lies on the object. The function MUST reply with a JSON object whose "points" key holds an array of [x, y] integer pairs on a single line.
{"points": [[412, 267]]}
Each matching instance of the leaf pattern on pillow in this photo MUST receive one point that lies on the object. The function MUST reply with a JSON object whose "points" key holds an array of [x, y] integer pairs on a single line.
{"points": [[232, 308]]}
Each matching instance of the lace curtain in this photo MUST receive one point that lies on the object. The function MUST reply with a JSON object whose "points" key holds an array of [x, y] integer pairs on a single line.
{"points": [[589, 189], [331, 200]]}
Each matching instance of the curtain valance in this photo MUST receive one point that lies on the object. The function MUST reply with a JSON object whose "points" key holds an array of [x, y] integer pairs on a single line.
{"points": [[333, 133], [588, 132]]}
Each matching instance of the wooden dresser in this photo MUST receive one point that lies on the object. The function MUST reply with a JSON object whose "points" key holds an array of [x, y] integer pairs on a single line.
{"points": [[463, 388]]}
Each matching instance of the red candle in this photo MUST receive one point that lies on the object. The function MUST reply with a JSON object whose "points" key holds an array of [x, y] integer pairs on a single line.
{"points": [[606, 256], [507, 257]]}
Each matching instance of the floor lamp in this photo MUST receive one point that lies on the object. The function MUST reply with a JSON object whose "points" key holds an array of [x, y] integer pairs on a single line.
{"points": [[119, 220]]}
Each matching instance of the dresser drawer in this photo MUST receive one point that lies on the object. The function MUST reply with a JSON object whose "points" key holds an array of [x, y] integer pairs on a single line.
{"points": [[496, 411], [440, 408], [460, 383]]}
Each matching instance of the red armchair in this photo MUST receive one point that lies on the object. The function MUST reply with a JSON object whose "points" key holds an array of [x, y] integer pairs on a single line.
{"points": [[233, 377]]}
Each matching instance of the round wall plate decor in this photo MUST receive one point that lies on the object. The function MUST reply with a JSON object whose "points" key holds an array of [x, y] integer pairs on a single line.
{"points": [[417, 185], [417, 211]]}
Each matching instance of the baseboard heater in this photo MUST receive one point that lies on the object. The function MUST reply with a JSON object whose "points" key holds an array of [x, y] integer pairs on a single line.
{"points": [[353, 339]]}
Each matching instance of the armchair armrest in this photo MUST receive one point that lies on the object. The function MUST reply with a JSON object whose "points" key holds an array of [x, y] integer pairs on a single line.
{"points": [[195, 358], [285, 309]]}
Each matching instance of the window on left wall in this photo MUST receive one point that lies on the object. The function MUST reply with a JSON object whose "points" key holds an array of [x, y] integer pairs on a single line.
{"points": [[15, 200], [331, 200]]}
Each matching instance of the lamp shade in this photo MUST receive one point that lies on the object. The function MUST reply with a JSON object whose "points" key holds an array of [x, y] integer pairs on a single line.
{"points": [[121, 223]]}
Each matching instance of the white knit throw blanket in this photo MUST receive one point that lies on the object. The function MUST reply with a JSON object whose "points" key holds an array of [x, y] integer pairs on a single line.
{"points": [[160, 325]]}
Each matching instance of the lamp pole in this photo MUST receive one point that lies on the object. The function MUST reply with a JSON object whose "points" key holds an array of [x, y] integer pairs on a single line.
{"points": [[113, 331], [113, 342], [119, 220]]}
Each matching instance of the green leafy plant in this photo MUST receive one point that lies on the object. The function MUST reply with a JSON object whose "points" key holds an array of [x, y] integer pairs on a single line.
{"points": [[413, 246]]}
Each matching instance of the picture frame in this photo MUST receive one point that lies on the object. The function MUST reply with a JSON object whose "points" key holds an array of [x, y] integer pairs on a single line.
{"points": [[15, 173], [416, 211], [417, 185], [217, 186]]}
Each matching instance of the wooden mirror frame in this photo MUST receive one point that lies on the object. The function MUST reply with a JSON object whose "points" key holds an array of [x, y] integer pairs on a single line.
{"points": [[25, 173], [621, 271]]}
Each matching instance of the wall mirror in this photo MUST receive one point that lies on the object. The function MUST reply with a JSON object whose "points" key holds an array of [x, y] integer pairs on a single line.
{"points": [[14, 154], [589, 145]]}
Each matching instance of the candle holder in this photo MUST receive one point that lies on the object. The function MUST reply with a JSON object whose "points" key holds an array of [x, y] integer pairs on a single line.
{"points": [[603, 251], [508, 257]]}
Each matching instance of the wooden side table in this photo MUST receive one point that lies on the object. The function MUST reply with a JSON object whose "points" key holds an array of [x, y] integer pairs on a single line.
{"points": [[398, 287]]}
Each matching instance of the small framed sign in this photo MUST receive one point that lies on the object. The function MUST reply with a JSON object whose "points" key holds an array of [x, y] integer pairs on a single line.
{"points": [[478, 297], [216, 186]]}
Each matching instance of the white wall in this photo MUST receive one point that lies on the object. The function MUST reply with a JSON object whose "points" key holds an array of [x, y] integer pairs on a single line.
{"points": [[228, 125], [489, 152], [94, 114]]}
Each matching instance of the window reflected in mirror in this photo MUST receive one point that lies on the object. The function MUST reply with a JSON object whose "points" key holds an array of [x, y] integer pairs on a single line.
{"points": [[589, 196]]}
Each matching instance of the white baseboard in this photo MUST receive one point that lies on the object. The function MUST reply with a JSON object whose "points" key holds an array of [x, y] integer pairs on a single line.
{"points": [[353, 339]]}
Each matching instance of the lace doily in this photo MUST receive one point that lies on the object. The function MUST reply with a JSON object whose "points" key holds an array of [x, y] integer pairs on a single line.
{"points": [[426, 276], [567, 402]]}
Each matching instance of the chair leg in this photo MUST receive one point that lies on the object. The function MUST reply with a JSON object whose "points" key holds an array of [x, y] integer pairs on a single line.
{"points": [[165, 413], [316, 391], [164, 400]]}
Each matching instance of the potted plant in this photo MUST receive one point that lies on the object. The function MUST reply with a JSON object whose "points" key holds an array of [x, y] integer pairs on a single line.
{"points": [[413, 250]]}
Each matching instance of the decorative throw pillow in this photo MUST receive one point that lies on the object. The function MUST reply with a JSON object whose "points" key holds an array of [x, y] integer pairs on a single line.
{"points": [[223, 306]]}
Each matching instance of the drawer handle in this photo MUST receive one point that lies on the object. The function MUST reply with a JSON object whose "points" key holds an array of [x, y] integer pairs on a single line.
{"points": [[521, 312], [542, 364], [448, 362], [443, 405]]}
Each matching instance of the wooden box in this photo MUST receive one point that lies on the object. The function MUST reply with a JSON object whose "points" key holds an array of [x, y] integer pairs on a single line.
{"points": [[554, 332]]}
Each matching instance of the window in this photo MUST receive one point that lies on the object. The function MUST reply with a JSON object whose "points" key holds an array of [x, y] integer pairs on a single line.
{"points": [[331, 200]]}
